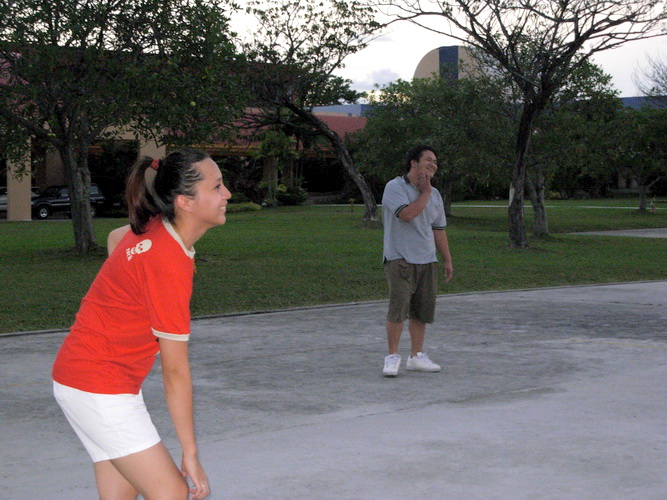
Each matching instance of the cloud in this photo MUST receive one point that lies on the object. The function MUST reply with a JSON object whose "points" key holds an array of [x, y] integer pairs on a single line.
{"points": [[384, 75], [379, 77]]}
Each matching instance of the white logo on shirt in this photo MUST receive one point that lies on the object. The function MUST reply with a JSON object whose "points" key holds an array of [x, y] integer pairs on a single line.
{"points": [[141, 247]]}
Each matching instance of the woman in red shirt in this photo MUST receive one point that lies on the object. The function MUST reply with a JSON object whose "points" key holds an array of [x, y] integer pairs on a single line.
{"points": [[139, 306]]}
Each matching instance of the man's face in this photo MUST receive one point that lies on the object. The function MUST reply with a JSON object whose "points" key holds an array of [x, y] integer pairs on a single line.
{"points": [[427, 164]]}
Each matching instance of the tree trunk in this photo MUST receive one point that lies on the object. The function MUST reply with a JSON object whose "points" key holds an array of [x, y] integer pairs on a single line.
{"points": [[517, 223], [270, 179], [76, 165], [289, 175], [370, 212], [536, 195], [447, 196], [642, 197], [644, 189]]}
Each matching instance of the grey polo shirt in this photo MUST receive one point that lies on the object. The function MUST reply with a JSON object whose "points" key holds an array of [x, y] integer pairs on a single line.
{"points": [[412, 241]]}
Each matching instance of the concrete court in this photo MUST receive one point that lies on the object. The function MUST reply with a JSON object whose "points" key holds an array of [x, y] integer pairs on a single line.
{"points": [[553, 393]]}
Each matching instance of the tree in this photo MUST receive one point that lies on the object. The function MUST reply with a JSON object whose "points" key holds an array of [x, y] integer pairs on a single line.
{"points": [[464, 120], [572, 134], [643, 153], [577, 146], [298, 46], [652, 81], [275, 149], [537, 43], [74, 72]]}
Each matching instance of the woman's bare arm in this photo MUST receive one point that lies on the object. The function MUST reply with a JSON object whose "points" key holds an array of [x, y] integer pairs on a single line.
{"points": [[115, 236]]}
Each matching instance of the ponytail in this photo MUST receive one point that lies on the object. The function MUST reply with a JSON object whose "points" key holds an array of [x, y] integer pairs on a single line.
{"points": [[141, 206], [154, 184]]}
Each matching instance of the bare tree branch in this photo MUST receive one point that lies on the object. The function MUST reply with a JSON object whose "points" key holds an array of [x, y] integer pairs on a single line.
{"points": [[652, 80]]}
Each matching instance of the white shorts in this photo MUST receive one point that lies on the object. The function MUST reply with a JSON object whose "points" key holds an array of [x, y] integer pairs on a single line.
{"points": [[109, 425]]}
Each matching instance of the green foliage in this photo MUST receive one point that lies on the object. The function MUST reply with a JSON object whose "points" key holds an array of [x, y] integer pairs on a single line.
{"points": [[298, 46], [244, 206], [109, 166], [86, 67], [643, 147], [291, 195], [75, 71], [575, 143], [277, 144], [464, 120], [198, 88], [242, 176], [585, 145]]}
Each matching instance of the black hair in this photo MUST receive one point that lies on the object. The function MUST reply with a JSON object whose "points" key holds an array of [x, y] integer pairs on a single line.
{"points": [[151, 194], [416, 153]]}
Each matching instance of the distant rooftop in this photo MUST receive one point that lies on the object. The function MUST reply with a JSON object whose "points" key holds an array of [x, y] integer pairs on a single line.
{"points": [[356, 110], [640, 102], [342, 110]]}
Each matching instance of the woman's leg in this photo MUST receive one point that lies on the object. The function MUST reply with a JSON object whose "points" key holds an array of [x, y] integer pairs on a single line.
{"points": [[153, 473], [111, 485]]}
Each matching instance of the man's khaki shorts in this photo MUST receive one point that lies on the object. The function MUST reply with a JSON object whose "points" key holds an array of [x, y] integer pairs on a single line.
{"points": [[412, 290]]}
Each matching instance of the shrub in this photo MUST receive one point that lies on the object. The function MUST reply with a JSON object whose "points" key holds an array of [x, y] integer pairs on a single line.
{"points": [[243, 207], [239, 198], [291, 195]]}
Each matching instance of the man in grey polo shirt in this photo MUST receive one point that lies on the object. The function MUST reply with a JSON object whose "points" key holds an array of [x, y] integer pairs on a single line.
{"points": [[413, 214]]}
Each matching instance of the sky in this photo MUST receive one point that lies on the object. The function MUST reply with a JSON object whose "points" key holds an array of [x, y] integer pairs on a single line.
{"points": [[397, 54]]}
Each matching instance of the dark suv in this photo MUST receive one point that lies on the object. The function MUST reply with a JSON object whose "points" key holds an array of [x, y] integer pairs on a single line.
{"points": [[56, 199]]}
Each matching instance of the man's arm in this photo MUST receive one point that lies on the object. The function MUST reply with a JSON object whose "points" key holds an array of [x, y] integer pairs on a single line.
{"points": [[416, 207], [442, 244]]}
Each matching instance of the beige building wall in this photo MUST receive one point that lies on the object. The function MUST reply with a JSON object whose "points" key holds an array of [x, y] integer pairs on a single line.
{"points": [[18, 190], [465, 64], [147, 146], [469, 66], [428, 65], [152, 149]]}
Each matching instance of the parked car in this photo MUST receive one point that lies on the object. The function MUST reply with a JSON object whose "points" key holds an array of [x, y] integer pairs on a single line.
{"points": [[56, 199], [3, 198]]}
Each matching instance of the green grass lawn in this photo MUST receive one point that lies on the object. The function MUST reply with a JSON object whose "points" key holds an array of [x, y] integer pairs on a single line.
{"points": [[299, 256]]}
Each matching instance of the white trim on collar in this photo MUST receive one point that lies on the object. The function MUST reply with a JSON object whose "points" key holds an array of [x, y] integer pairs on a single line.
{"points": [[170, 229]]}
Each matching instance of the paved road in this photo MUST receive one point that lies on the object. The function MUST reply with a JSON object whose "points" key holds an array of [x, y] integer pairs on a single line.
{"points": [[545, 394], [659, 232]]}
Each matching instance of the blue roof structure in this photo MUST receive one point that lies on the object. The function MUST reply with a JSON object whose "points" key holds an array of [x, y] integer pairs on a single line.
{"points": [[343, 109], [639, 102]]}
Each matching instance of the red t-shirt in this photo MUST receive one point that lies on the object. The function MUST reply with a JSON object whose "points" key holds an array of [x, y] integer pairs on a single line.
{"points": [[141, 293]]}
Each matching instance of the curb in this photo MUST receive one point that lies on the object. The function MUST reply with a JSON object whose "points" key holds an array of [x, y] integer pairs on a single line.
{"points": [[350, 304]]}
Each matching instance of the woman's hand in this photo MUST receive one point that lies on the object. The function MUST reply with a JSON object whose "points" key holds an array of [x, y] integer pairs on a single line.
{"points": [[190, 467]]}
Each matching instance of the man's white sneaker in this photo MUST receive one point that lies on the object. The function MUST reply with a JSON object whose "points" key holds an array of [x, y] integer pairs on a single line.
{"points": [[391, 365], [421, 363]]}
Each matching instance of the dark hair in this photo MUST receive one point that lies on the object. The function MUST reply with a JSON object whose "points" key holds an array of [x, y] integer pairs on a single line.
{"points": [[416, 153], [150, 195]]}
